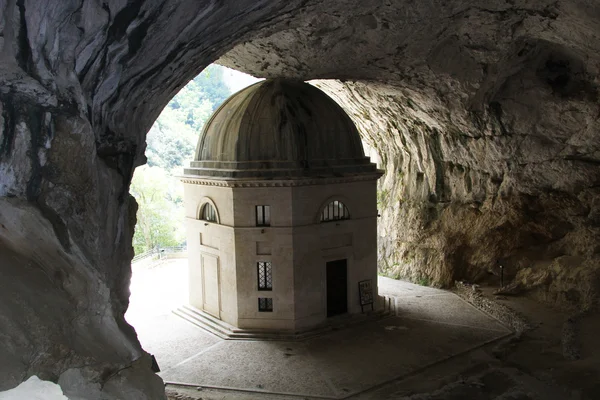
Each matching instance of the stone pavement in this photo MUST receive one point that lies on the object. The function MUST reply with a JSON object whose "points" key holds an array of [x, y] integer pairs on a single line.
{"points": [[431, 325]]}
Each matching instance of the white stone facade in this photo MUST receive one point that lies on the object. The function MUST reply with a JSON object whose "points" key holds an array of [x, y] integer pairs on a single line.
{"points": [[223, 255], [286, 147]]}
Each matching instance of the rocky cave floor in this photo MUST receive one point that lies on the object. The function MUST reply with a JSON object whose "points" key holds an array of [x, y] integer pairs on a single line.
{"points": [[557, 357], [550, 355], [536, 364]]}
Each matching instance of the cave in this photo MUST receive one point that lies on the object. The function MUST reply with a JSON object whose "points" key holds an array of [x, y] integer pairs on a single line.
{"points": [[484, 115]]}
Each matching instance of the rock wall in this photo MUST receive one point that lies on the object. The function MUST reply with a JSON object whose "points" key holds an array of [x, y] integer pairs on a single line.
{"points": [[459, 202], [64, 272], [485, 118], [81, 82]]}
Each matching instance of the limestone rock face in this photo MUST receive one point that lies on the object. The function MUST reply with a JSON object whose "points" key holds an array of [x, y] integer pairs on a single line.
{"points": [[458, 204], [485, 118], [80, 84]]}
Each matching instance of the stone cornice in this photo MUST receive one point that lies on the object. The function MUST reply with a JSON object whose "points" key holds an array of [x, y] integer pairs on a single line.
{"points": [[242, 183]]}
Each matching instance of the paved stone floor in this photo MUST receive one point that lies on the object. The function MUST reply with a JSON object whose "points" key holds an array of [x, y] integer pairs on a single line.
{"points": [[431, 325]]}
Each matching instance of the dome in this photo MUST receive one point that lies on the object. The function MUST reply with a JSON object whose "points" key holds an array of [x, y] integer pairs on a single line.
{"points": [[279, 128]]}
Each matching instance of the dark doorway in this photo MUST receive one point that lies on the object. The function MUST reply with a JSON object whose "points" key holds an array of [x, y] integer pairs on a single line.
{"points": [[337, 288]]}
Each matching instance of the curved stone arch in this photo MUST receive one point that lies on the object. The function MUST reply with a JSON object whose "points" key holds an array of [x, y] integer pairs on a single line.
{"points": [[207, 200], [342, 199]]}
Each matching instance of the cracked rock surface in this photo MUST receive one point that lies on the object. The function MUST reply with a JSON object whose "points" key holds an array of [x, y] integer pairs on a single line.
{"points": [[485, 118]]}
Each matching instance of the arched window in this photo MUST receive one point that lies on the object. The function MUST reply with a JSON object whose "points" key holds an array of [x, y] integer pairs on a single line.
{"points": [[208, 213], [335, 211]]}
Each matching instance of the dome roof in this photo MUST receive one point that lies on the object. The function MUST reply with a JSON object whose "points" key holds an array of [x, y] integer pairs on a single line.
{"points": [[279, 128]]}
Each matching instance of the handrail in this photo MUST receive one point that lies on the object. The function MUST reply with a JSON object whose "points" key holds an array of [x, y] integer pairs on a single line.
{"points": [[160, 251]]}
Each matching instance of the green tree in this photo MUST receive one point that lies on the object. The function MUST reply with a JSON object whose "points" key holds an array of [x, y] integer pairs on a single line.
{"points": [[213, 85], [160, 212], [170, 144], [172, 139]]}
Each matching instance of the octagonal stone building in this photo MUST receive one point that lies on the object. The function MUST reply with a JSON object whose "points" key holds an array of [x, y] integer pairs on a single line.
{"points": [[281, 211]]}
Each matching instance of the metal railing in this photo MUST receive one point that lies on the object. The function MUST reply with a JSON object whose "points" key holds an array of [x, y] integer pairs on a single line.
{"points": [[159, 252]]}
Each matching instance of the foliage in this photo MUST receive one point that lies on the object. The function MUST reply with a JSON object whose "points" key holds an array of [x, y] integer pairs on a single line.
{"points": [[211, 84], [160, 215], [172, 139], [170, 144], [390, 272], [382, 198], [423, 281]]}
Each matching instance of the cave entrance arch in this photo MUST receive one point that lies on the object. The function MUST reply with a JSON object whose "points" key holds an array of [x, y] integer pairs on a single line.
{"points": [[160, 274]]}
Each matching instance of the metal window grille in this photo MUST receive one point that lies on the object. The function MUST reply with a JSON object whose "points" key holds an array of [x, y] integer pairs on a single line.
{"points": [[265, 275], [263, 215], [265, 304], [209, 213], [335, 211]]}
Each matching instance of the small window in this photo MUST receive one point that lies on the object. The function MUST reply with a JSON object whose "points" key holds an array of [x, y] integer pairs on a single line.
{"points": [[265, 304], [263, 215], [335, 211], [265, 275], [208, 213]]}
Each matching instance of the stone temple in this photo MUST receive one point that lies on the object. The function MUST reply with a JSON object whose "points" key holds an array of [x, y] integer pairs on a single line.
{"points": [[281, 210]]}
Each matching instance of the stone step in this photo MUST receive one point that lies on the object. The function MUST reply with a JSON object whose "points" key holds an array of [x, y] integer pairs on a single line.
{"points": [[228, 332], [202, 322], [197, 313]]}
